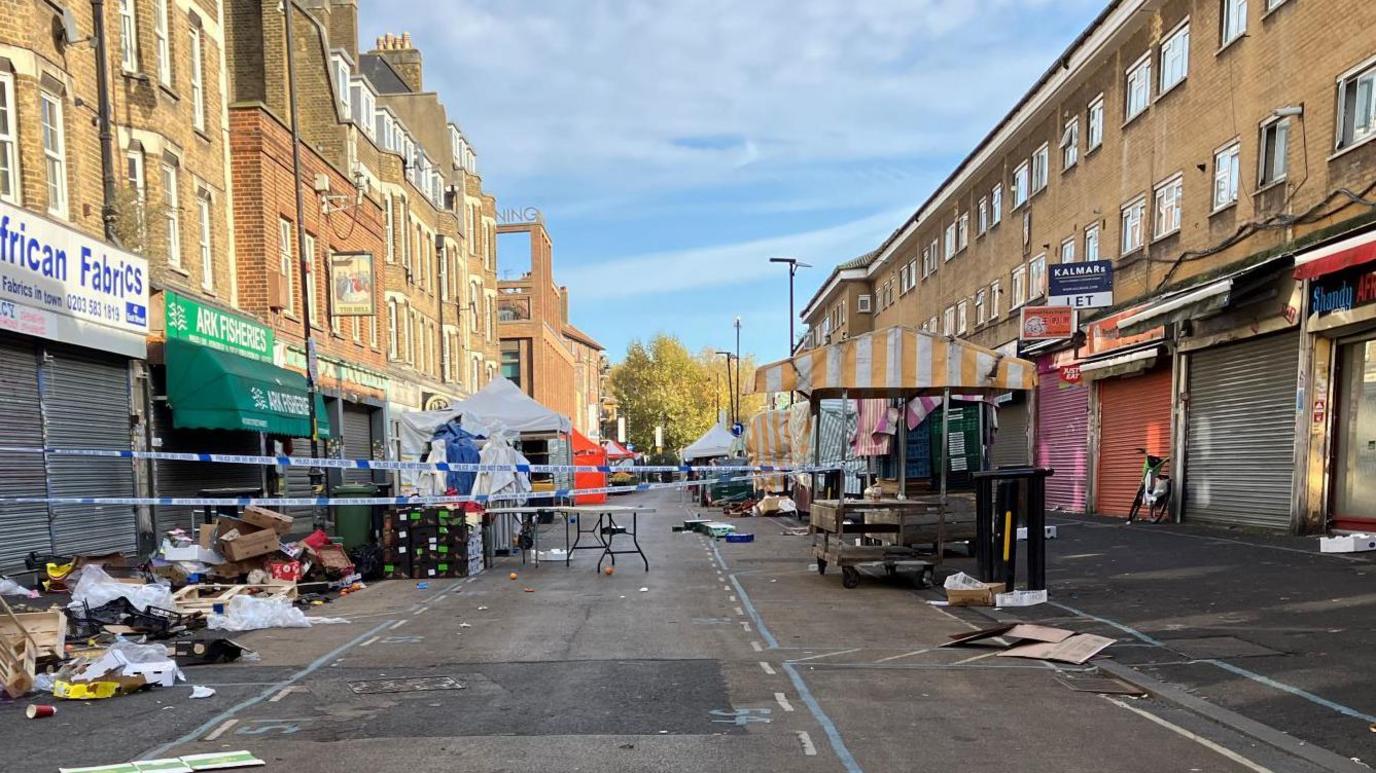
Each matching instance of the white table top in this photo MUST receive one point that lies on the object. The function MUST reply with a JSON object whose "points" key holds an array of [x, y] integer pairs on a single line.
{"points": [[598, 509]]}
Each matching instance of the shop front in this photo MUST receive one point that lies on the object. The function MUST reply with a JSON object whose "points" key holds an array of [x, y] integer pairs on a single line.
{"points": [[355, 399], [73, 322], [1340, 406], [1062, 431], [1131, 407]]}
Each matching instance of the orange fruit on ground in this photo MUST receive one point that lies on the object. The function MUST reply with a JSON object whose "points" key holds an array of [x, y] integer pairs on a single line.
{"points": [[511, 576], [609, 571]]}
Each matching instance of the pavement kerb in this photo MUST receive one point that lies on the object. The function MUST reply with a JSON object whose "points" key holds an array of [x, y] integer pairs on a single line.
{"points": [[1165, 691]]}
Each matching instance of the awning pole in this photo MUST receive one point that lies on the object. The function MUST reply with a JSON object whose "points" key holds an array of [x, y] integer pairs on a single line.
{"points": [[945, 441], [903, 451]]}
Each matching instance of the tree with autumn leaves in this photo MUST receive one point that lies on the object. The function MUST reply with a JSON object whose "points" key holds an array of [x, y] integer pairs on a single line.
{"points": [[663, 383]]}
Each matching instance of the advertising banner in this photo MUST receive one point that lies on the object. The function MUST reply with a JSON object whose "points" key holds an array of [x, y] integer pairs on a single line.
{"points": [[1041, 323], [208, 326], [61, 284], [1086, 285], [351, 284]]}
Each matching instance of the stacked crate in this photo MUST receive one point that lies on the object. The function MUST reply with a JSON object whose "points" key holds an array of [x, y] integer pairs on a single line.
{"points": [[422, 543]]}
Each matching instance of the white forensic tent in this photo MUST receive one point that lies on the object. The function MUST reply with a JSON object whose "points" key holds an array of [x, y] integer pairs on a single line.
{"points": [[717, 441], [499, 405]]}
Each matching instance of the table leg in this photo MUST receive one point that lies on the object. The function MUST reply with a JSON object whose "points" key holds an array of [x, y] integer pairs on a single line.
{"points": [[635, 533], [568, 549]]}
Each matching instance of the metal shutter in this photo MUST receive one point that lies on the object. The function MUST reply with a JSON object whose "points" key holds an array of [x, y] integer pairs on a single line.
{"points": [[1240, 439], [188, 479], [86, 405], [1010, 443], [358, 440], [23, 528], [1062, 439], [1134, 412]]}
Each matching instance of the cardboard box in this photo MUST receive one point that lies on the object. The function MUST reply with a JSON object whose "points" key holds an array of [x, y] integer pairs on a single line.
{"points": [[239, 545], [974, 597], [264, 518], [206, 534]]}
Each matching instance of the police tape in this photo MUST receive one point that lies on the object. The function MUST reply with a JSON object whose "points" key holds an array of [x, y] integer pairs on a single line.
{"points": [[397, 466], [481, 499]]}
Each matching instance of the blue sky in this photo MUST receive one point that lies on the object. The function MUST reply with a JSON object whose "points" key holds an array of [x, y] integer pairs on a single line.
{"points": [[675, 145]]}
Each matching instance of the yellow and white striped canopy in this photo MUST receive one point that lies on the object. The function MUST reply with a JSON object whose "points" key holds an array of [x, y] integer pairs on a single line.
{"points": [[896, 362], [768, 438]]}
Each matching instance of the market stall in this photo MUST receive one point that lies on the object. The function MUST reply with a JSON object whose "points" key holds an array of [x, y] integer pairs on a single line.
{"points": [[894, 363], [717, 443]]}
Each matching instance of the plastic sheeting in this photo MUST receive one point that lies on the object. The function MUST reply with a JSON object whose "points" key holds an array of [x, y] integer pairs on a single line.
{"points": [[498, 450], [97, 588], [717, 441]]}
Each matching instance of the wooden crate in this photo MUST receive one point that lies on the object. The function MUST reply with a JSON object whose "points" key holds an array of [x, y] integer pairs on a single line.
{"points": [[24, 639]]}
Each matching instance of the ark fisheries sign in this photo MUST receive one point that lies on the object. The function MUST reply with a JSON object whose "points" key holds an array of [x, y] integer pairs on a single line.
{"points": [[1343, 291], [205, 325]]}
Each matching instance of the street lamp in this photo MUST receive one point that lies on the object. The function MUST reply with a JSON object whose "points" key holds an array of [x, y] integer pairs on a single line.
{"points": [[740, 390], [731, 407], [793, 265]]}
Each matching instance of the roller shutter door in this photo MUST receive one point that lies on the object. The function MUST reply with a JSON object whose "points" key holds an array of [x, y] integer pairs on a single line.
{"points": [[23, 528], [189, 479], [1240, 438], [1062, 439], [358, 440], [1134, 412], [86, 405], [1010, 444]]}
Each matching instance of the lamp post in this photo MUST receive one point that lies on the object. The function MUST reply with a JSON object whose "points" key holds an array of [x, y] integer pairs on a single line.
{"points": [[793, 265], [731, 400], [736, 417]]}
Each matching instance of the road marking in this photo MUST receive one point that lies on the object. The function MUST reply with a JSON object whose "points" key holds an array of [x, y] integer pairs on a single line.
{"points": [[418, 611], [726, 588], [806, 740], [289, 690], [229, 713], [904, 655], [740, 612], [824, 655], [768, 669], [219, 731], [733, 598], [361, 646], [398, 624], [783, 702], [1206, 743], [976, 657], [745, 624], [754, 645]]}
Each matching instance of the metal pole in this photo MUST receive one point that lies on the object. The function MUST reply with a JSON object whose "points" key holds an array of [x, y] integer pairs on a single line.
{"points": [[306, 262], [945, 441], [739, 388], [107, 159], [903, 452]]}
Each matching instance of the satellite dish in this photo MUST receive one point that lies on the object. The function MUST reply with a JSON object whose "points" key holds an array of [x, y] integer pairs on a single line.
{"points": [[65, 29]]}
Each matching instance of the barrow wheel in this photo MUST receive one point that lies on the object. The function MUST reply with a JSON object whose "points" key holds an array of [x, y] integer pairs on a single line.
{"points": [[850, 577], [822, 566]]}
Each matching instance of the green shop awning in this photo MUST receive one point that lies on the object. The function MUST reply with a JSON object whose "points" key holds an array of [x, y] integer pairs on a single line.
{"points": [[210, 389]]}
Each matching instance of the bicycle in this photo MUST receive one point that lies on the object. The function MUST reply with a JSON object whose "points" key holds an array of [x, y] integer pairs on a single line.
{"points": [[1155, 490]]}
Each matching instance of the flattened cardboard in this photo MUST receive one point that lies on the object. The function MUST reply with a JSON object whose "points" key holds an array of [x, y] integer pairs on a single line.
{"points": [[1076, 650]]}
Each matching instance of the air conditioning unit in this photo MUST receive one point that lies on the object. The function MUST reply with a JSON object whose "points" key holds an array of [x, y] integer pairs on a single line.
{"points": [[279, 290]]}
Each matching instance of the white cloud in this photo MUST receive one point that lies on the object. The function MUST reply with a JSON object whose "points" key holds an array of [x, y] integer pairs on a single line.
{"points": [[727, 264]]}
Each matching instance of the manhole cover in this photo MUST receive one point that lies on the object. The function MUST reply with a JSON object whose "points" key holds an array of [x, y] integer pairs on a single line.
{"points": [[419, 684], [1206, 647], [1100, 684]]}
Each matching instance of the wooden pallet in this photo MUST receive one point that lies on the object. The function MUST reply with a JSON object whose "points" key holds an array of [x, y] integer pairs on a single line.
{"points": [[18, 654], [203, 598]]}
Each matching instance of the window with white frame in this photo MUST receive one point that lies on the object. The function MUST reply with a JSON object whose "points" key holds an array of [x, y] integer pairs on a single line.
{"points": [[172, 214], [1070, 143], [391, 230], [1019, 285], [284, 238], [929, 261], [1021, 184], [996, 205], [1036, 277], [994, 292], [134, 175], [948, 321], [950, 243], [372, 331], [54, 152], [1273, 150], [340, 66], [1092, 242], [197, 80], [1068, 250], [1175, 56], [163, 38], [962, 317], [364, 105], [128, 36], [312, 303], [1166, 212], [1234, 21], [1227, 171], [932, 324], [981, 306], [1132, 215], [963, 231], [862, 304], [207, 254], [1041, 160], [1357, 106], [1138, 91], [1095, 123], [391, 329], [982, 218], [9, 141]]}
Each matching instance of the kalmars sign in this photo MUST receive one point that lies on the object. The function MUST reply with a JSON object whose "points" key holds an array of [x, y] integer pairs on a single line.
{"points": [[60, 284]]}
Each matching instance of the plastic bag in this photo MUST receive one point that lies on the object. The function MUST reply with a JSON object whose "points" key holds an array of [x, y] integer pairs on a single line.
{"points": [[246, 613], [962, 581], [133, 652], [97, 588], [9, 587]]}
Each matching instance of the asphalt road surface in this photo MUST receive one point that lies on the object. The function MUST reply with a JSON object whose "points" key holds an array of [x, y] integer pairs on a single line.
{"points": [[722, 657]]}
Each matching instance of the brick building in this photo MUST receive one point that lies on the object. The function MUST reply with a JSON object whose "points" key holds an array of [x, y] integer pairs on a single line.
{"points": [[542, 352], [1208, 151]]}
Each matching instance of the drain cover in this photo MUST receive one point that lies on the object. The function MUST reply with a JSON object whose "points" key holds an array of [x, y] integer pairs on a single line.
{"points": [[420, 684], [1206, 647], [1100, 684]]}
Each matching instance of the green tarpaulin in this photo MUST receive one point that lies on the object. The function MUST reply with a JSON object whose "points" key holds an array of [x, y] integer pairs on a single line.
{"points": [[209, 389]]}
